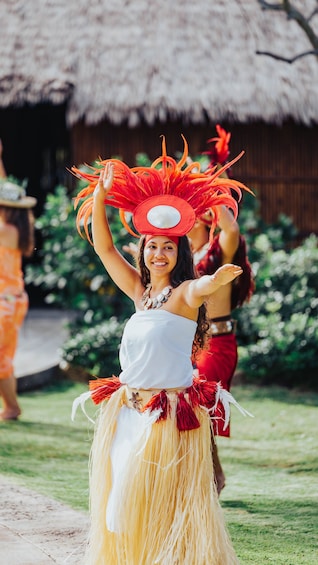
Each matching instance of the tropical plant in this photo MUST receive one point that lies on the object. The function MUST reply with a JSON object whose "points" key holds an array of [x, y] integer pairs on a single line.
{"points": [[70, 272], [279, 327]]}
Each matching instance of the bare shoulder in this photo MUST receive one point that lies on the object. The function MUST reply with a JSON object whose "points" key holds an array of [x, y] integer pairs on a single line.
{"points": [[180, 304]]}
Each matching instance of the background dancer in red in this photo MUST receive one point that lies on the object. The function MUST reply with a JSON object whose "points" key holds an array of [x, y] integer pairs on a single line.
{"points": [[218, 362]]}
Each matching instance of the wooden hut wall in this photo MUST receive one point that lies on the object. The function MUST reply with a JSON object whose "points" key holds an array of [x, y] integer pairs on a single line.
{"points": [[279, 164]]}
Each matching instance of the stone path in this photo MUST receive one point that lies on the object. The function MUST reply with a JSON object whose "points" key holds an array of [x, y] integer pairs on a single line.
{"points": [[38, 357], [36, 530]]}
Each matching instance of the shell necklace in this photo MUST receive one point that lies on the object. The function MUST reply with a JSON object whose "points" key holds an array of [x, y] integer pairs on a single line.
{"points": [[155, 303]]}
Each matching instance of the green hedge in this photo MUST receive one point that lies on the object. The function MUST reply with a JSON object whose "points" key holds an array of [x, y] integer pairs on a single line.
{"points": [[279, 327], [70, 273]]}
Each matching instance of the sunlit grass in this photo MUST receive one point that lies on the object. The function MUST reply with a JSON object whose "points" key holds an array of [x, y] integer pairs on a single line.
{"points": [[45, 450], [271, 464]]}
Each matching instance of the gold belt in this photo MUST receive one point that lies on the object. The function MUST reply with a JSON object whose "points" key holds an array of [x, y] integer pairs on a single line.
{"points": [[221, 327]]}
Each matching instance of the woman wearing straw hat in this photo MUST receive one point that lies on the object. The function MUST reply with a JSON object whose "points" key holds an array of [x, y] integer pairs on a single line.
{"points": [[152, 495], [16, 241]]}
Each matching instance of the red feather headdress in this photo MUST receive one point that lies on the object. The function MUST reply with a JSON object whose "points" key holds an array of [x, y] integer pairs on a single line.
{"points": [[164, 198]]}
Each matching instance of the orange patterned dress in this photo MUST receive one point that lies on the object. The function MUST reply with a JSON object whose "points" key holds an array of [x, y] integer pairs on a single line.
{"points": [[13, 306]]}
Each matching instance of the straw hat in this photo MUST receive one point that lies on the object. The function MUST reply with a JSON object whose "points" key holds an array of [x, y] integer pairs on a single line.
{"points": [[14, 196]]}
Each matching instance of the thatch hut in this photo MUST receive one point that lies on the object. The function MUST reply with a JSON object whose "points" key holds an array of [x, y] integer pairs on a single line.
{"points": [[83, 79]]}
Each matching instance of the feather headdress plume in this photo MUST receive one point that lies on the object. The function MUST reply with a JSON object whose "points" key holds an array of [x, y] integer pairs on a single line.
{"points": [[220, 151], [164, 198]]}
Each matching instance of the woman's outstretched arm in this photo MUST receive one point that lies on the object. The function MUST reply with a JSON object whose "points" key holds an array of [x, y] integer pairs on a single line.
{"points": [[199, 289]]}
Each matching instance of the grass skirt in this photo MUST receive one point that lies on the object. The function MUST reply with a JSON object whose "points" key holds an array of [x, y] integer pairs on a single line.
{"points": [[170, 512]]}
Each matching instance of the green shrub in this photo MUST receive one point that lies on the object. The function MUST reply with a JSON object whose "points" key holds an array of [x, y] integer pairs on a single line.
{"points": [[279, 327], [70, 272], [95, 348]]}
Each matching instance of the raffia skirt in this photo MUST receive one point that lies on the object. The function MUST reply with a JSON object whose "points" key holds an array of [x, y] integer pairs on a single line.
{"points": [[152, 492]]}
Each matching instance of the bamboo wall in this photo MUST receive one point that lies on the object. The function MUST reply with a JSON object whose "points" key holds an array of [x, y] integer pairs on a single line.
{"points": [[280, 163]]}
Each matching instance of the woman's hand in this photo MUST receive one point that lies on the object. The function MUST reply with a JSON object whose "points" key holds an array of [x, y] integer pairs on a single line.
{"points": [[226, 274], [199, 289], [132, 249], [105, 181]]}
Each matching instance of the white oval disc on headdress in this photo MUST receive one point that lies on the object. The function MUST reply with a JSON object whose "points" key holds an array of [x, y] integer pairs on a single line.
{"points": [[163, 216]]}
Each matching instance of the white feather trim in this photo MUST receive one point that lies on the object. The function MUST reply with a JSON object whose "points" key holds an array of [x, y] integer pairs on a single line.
{"points": [[226, 398], [80, 401]]}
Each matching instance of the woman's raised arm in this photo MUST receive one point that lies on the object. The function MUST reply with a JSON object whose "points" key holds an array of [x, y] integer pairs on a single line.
{"points": [[124, 275]]}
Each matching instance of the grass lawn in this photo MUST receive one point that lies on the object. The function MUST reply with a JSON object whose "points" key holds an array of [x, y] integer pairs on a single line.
{"points": [[271, 463]]}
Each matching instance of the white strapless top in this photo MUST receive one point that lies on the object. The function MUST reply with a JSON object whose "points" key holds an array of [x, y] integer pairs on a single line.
{"points": [[155, 350]]}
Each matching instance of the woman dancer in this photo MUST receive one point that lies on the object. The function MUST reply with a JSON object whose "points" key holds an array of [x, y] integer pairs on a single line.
{"points": [[152, 494]]}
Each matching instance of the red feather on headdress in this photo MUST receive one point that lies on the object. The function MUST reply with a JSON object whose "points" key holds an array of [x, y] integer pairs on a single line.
{"points": [[220, 151]]}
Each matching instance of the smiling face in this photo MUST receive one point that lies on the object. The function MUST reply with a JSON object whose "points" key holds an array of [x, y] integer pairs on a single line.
{"points": [[160, 254]]}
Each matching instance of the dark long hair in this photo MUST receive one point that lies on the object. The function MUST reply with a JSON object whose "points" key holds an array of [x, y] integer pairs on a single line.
{"points": [[23, 220], [184, 270]]}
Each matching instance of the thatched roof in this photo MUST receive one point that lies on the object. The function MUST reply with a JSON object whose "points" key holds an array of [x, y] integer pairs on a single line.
{"points": [[148, 59]]}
